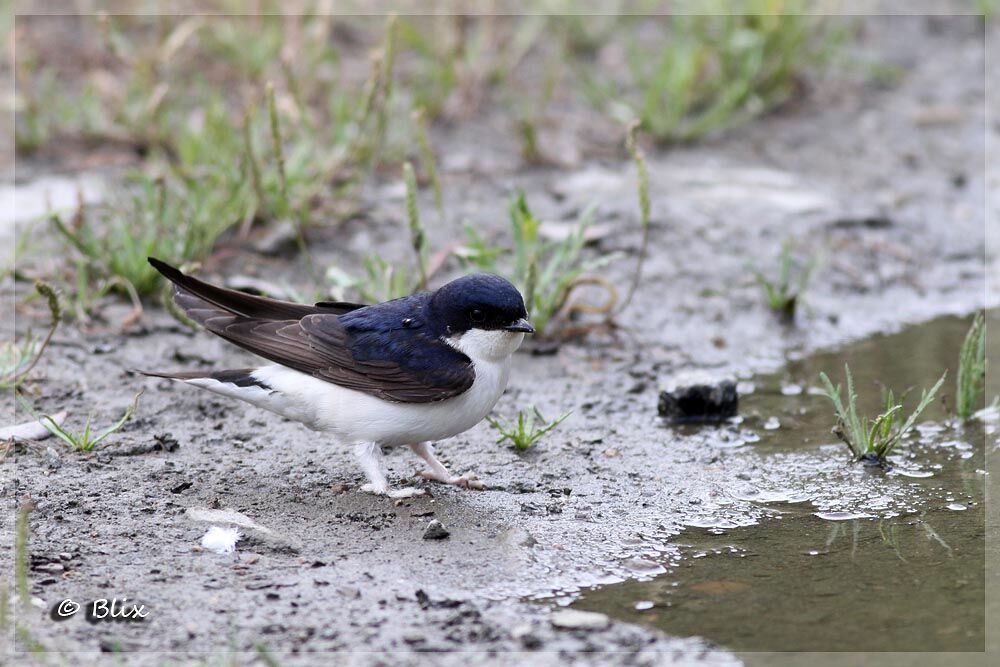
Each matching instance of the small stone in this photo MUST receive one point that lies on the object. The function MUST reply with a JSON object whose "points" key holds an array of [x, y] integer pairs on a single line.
{"points": [[573, 619], [435, 531], [52, 458], [166, 442], [526, 635], [180, 488], [50, 567], [637, 388], [280, 239], [349, 592], [643, 566], [517, 536]]}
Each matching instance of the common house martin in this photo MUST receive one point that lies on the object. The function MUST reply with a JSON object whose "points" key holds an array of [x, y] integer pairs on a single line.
{"points": [[408, 372]]}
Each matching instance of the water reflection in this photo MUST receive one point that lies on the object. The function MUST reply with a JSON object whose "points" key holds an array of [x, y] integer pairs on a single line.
{"points": [[805, 584]]}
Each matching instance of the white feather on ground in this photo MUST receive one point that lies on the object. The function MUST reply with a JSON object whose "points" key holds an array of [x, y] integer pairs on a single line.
{"points": [[33, 430], [221, 540]]}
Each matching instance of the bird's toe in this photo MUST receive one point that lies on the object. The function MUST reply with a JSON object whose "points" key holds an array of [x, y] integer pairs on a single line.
{"points": [[408, 492], [468, 481]]}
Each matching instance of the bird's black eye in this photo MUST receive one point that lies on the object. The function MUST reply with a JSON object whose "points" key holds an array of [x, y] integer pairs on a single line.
{"points": [[476, 315]]}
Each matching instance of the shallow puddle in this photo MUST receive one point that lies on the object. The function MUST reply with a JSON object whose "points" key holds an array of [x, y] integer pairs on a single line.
{"points": [[788, 409], [855, 580]]}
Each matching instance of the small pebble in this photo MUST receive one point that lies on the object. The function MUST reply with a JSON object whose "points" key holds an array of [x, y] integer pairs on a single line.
{"points": [[525, 634], [435, 531], [52, 458], [573, 619]]}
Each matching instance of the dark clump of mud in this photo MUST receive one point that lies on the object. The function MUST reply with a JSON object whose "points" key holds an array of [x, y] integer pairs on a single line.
{"points": [[699, 402]]}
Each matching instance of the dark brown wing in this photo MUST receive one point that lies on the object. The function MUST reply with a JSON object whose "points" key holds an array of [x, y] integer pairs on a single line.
{"points": [[248, 305], [370, 352], [404, 366]]}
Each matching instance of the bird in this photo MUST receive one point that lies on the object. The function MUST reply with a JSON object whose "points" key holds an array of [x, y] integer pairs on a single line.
{"points": [[410, 371]]}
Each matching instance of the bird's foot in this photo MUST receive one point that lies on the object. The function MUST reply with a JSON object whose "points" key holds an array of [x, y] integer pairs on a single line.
{"points": [[466, 481], [408, 492]]}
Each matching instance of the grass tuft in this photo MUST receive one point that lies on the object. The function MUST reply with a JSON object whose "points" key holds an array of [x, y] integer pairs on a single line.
{"points": [[715, 70], [528, 429], [784, 295], [873, 439], [971, 378], [17, 360], [546, 271], [86, 440]]}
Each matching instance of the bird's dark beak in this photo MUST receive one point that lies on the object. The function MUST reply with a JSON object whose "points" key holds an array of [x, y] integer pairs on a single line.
{"points": [[522, 325]]}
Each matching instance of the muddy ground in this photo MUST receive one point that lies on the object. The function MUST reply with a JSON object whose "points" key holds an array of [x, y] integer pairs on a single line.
{"points": [[884, 182]]}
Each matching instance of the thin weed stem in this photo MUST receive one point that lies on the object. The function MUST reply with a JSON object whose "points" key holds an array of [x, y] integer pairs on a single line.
{"points": [[643, 188], [21, 530], [52, 300], [254, 168], [427, 157], [297, 215], [418, 239]]}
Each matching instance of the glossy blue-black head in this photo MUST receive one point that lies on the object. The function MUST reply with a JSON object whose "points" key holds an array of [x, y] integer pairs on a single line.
{"points": [[480, 301]]}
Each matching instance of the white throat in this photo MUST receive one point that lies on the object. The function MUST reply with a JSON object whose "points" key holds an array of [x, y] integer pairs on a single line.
{"points": [[483, 345]]}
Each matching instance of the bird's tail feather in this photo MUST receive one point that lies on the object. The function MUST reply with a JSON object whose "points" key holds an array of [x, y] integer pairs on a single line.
{"points": [[241, 377], [251, 385]]}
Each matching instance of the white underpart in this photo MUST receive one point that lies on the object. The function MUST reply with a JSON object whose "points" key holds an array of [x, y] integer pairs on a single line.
{"points": [[354, 417]]}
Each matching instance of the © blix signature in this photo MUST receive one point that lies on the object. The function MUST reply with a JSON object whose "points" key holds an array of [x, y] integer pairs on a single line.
{"points": [[101, 609]]}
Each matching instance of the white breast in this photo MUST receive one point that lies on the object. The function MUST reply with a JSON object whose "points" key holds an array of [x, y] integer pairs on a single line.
{"points": [[354, 416]]}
